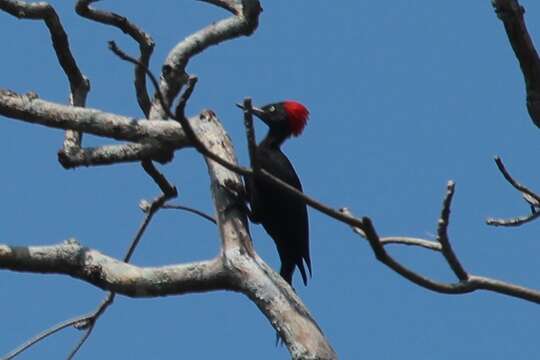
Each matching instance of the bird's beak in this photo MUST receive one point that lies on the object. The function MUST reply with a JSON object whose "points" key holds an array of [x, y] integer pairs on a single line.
{"points": [[256, 111]]}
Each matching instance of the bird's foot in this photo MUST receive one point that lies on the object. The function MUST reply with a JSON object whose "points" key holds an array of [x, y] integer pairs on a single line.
{"points": [[238, 194]]}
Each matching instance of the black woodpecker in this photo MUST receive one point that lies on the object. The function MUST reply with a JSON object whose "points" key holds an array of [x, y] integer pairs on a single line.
{"points": [[283, 216]]}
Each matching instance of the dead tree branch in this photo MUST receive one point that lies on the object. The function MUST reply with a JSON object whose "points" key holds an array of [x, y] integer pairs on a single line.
{"points": [[173, 75], [168, 193], [31, 109], [109, 154], [511, 14], [146, 44], [70, 258], [467, 283], [528, 195], [190, 210], [78, 83], [236, 268], [44, 334]]}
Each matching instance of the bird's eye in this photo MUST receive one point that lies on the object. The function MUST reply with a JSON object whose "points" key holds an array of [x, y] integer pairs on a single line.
{"points": [[272, 108]]}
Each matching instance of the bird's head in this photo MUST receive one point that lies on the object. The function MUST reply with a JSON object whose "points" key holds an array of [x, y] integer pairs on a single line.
{"points": [[287, 117]]}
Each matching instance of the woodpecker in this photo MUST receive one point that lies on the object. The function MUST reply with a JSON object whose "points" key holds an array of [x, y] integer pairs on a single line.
{"points": [[283, 216]]}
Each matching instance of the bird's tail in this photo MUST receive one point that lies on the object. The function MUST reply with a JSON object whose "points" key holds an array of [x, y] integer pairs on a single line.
{"points": [[286, 272]]}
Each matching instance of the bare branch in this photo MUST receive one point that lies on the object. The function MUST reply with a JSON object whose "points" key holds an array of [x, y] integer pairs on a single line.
{"points": [[528, 195], [33, 110], [114, 275], [79, 84], [169, 191], [81, 341], [517, 221], [125, 152], [468, 283], [42, 11], [237, 268], [118, 127], [146, 44], [385, 258], [173, 75], [521, 188], [114, 154], [442, 235], [409, 241], [199, 145], [89, 323], [511, 14], [397, 240], [265, 287], [250, 134], [124, 56], [191, 210], [44, 334]]}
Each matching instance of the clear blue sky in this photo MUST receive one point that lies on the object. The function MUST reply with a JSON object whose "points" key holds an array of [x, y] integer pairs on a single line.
{"points": [[404, 96]]}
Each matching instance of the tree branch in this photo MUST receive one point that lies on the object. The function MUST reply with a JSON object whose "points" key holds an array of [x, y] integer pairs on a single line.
{"points": [[528, 195], [167, 133], [442, 235], [30, 109], [168, 193], [511, 14], [173, 74], [190, 210], [468, 283], [44, 334], [237, 268], [114, 154], [78, 83], [107, 273], [146, 45]]}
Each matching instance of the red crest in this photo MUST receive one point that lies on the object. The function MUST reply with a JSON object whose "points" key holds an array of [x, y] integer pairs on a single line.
{"points": [[297, 115]]}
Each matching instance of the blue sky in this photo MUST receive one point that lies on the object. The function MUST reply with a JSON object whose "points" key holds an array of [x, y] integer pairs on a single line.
{"points": [[404, 96]]}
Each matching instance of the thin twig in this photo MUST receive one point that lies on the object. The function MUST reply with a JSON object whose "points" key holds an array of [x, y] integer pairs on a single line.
{"points": [[78, 83], [44, 334], [397, 240], [513, 182], [60, 41], [146, 45], [250, 134], [191, 210], [410, 241], [124, 56], [81, 341], [173, 75], [154, 207], [89, 324], [169, 190], [517, 221], [382, 255], [385, 258], [529, 196], [442, 234], [150, 212]]}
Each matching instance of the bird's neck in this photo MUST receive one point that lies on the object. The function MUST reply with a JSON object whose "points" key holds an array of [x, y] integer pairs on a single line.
{"points": [[274, 139]]}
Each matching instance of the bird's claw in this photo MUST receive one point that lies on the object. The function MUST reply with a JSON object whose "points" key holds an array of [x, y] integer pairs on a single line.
{"points": [[237, 192]]}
